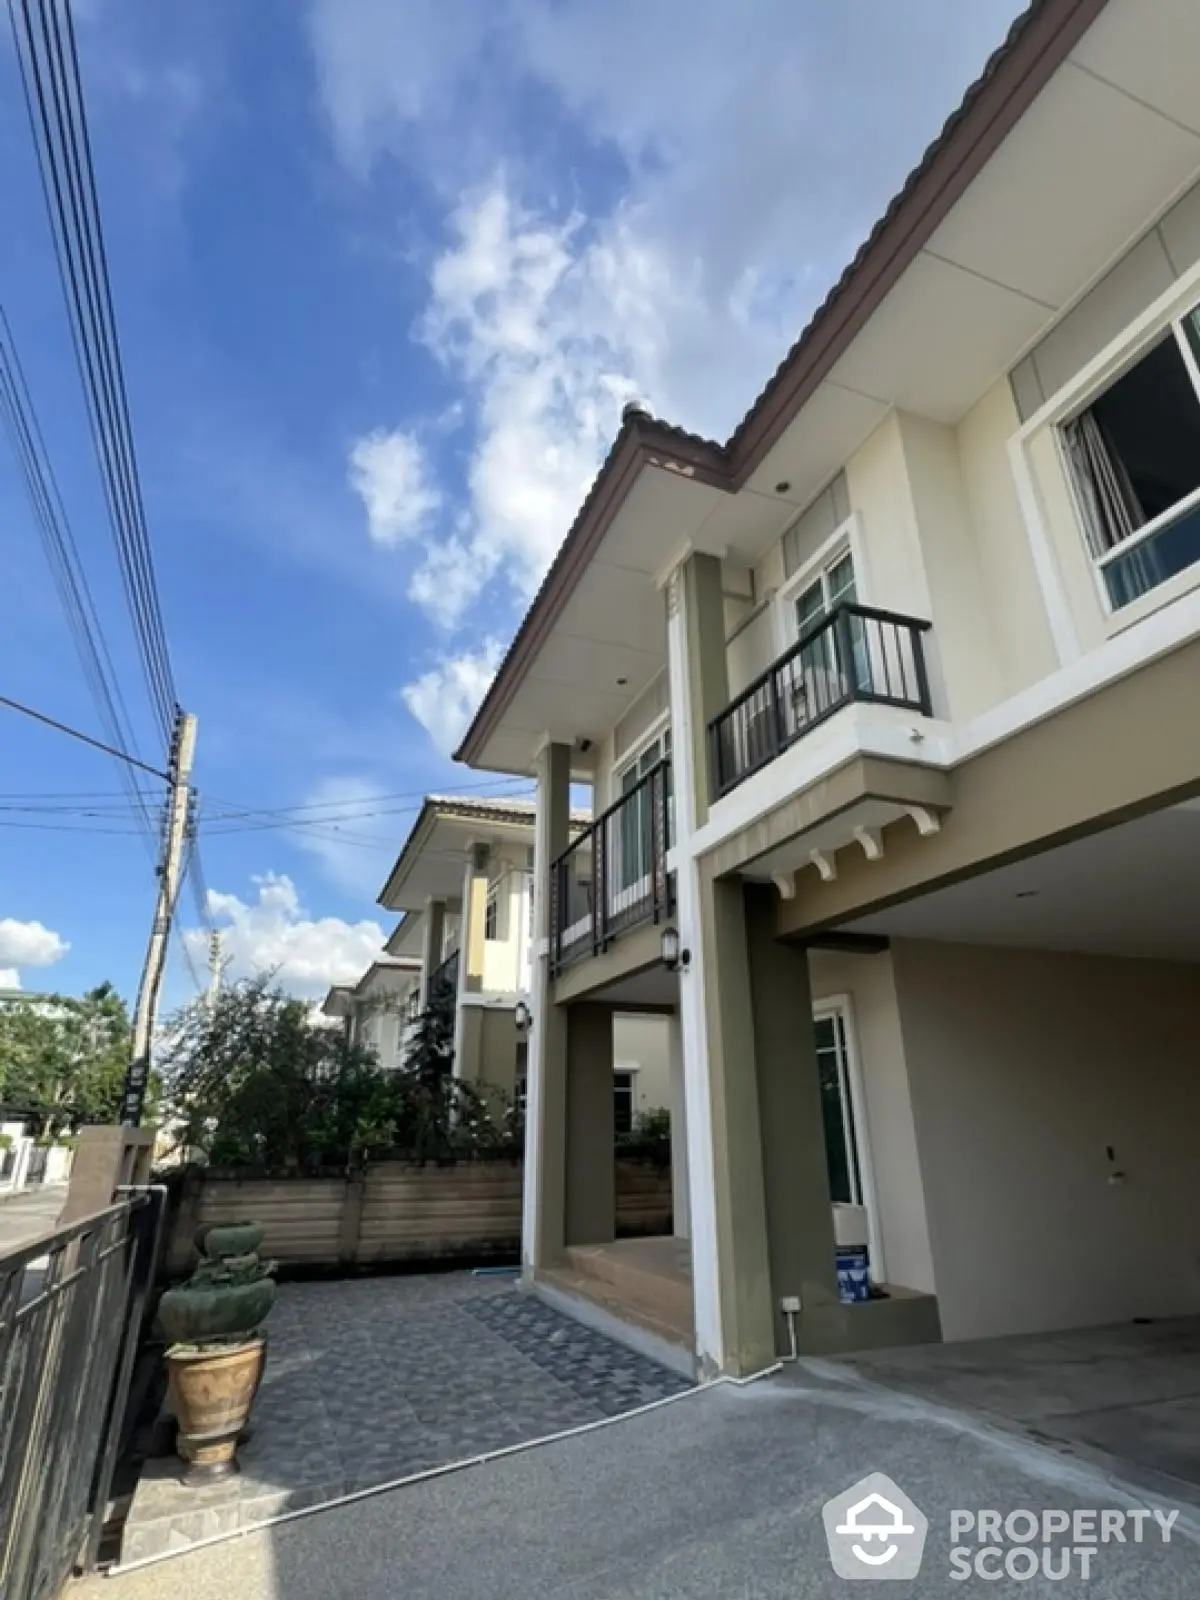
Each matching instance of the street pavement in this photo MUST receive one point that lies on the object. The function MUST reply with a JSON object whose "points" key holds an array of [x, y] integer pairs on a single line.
{"points": [[715, 1495], [31, 1212]]}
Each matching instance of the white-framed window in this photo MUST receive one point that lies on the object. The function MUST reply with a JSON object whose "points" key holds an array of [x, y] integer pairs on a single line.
{"points": [[495, 919], [623, 1102], [837, 1106], [636, 841], [833, 574], [1132, 454]]}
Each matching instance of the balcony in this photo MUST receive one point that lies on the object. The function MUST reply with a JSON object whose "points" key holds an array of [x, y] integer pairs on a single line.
{"points": [[856, 653], [443, 984], [613, 877]]}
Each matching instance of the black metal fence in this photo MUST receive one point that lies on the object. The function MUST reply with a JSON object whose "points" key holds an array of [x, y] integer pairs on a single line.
{"points": [[71, 1310], [854, 653], [443, 983], [614, 875]]}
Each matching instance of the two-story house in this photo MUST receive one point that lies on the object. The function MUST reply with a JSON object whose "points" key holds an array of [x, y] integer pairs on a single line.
{"points": [[463, 881], [378, 1010], [889, 705]]}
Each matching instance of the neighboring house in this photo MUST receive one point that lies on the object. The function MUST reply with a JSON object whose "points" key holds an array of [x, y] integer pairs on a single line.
{"points": [[478, 853], [378, 1010], [889, 709]]}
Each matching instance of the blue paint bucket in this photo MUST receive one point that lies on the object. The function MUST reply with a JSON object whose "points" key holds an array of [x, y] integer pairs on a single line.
{"points": [[853, 1274]]}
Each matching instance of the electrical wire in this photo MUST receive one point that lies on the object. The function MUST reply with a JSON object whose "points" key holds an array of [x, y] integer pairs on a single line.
{"points": [[49, 64], [66, 568], [84, 738]]}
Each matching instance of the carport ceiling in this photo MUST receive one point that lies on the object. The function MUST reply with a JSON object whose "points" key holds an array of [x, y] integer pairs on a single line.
{"points": [[1133, 890]]}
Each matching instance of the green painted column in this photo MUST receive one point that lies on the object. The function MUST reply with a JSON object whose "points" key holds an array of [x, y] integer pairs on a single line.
{"points": [[543, 1212], [741, 1269], [591, 1198], [795, 1171]]}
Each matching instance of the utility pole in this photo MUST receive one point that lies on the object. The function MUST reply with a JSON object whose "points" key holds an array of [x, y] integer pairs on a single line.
{"points": [[183, 747], [214, 966]]}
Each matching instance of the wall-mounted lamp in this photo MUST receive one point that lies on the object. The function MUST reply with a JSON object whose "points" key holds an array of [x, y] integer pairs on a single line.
{"points": [[523, 1017], [674, 958]]}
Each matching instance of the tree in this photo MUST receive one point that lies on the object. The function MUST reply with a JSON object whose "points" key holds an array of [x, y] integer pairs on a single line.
{"points": [[253, 1080], [63, 1060]]}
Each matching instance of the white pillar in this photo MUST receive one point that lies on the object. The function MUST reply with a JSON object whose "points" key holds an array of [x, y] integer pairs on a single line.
{"points": [[686, 739], [680, 1195]]}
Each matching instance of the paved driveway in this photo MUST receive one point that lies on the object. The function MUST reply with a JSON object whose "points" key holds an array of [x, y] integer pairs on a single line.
{"points": [[714, 1496], [372, 1380]]}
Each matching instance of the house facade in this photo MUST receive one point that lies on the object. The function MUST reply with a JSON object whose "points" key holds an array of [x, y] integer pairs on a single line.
{"points": [[463, 882], [887, 708], [378, 1011]]}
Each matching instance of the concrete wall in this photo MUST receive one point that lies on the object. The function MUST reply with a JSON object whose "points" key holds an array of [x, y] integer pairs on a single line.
{"points": [[1151, 265], [394, 1212], [887, 1141], [1024, 1068], [641, 1043]]}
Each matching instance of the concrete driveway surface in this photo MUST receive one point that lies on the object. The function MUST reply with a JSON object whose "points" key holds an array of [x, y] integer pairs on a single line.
{"points": [[717, 1494]]}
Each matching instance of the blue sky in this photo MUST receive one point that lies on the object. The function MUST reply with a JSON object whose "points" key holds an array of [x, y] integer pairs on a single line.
{"points": [[385, 271]]}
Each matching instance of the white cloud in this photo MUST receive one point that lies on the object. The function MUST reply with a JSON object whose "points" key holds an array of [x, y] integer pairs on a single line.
{"points": [[355, 854], [273, 933], [29, 944], [391, 475], [10, 978], [720, 175], [444, 699]]}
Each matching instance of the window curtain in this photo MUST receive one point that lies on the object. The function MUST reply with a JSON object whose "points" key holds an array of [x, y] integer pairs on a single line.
{"points": [[1111, 508]]}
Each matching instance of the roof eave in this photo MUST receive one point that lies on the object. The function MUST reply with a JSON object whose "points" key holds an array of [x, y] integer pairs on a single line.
{"points": [[1037, 44]]}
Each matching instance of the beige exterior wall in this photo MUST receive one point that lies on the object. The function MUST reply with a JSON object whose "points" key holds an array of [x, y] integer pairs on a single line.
{"points": [[1013, 598], [641, 1044], [888, 1141], [1025, 1067]]}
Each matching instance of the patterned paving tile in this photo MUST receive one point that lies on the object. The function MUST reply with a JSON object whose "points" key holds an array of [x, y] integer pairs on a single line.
{"points": [[371, 1380]]}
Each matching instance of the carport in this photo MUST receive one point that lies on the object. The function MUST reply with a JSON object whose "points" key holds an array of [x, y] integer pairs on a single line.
{"points": [[1048, 1012]]}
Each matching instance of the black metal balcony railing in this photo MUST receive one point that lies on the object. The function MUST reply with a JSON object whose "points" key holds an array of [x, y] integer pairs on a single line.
{"points": [[854, 653], [443, 983], [614, 875]]}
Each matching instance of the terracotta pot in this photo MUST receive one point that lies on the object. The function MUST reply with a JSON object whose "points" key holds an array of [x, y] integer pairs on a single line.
{"points": [[211, 1395]]}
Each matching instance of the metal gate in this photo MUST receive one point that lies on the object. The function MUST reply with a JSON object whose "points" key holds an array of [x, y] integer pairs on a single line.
{"points": [[71, 1309]]}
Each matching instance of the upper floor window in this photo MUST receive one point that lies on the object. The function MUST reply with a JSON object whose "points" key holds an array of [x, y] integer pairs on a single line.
{"points": [[491, 916], [1134, 460], [636, 842], [832, 585]]}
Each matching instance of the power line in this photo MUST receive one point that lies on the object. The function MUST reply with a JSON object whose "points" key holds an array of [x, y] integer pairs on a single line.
{"points": [[84, 738], [501, 786], [49, 63], [66, 568]]}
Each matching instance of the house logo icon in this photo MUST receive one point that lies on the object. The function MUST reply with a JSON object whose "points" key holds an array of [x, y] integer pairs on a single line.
{"points": [[875, 1531]]}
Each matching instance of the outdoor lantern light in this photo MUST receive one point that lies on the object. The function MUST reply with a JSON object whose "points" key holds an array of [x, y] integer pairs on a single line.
{"points": [[522, 1016], [673, 957]]}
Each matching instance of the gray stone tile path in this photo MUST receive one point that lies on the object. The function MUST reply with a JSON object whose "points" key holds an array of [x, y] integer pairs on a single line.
{"points": [[370, 1380]]}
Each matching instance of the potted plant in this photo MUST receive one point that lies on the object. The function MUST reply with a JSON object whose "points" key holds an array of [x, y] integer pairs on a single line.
{"points": [[216, 1353]]}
